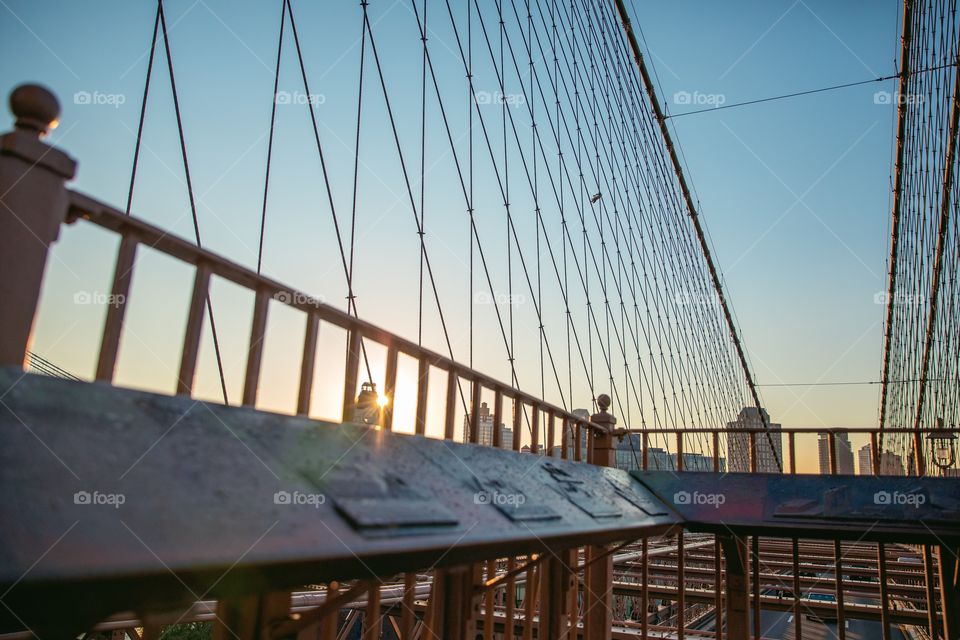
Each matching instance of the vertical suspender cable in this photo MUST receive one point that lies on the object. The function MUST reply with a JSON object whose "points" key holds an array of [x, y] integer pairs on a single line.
{"points": [[193, 206], [698, 228]]}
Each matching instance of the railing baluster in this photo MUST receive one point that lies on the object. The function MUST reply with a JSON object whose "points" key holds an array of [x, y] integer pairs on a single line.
{"points": [[717, 584], [535, 431], [258, 331], [755, 577], [407, 615], [551, 434], [838, 583], [423, 385], [308, 364], [390, 386], [832, 456], [645, 458], [191, 339], [884, 593], [328, 624], [644, 588], [797, 616], [565, 445], [716, 452], [351, 373], [577, 439], [497, 419], [511, 597], [681, 586], [517, 423], [449, 421], [113, 326], [475, 412], [681, 569], [791, 440], [489, 598], [529, 600], [679, 465], [372, 621], [930, 580]]}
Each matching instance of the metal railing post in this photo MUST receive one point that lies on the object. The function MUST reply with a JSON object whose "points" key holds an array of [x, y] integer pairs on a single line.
{"points": [[33, 205], [735, 555], [949, 574], [598, 615]]}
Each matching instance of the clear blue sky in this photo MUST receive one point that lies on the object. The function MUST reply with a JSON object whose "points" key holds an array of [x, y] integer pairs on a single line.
{"points": [[795, 194]]}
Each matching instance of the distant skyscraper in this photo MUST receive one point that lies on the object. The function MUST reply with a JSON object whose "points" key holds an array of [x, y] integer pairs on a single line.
{"points": [[890, 463], [485, 429], [842, 450], [738, 444], [569, 436], [629, 455], [864, 461]]}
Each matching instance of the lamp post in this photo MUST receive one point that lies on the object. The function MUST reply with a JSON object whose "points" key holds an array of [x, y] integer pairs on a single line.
{"points": [[942, 443], [369, 406]]}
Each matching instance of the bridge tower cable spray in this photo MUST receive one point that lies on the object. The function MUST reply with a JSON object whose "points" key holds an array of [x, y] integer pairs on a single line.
{"points": [[695, 219]]}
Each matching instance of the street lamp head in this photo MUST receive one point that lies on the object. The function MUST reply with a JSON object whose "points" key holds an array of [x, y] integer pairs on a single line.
{"points": [[367, 408], [942, 442]]}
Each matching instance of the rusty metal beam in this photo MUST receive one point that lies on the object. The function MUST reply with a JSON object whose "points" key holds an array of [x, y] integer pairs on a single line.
{"points": [[897, 203]]}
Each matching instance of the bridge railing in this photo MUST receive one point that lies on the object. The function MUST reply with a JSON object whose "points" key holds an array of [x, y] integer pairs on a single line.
{"points": [[902, 581], [661, 576], [135, 233], [37, 203], [40, 203]]}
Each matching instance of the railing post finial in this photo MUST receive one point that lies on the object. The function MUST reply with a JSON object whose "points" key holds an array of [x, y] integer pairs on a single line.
{"points": [[603, 451], [36, 109], [33, 205], [603, 403]]}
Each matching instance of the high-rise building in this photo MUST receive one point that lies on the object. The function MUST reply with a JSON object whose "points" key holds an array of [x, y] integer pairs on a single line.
{"points": [[864, 461], [570, 436], [842, 450], [629, 455], [485, 429], [769, 459], [890, 463]]}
